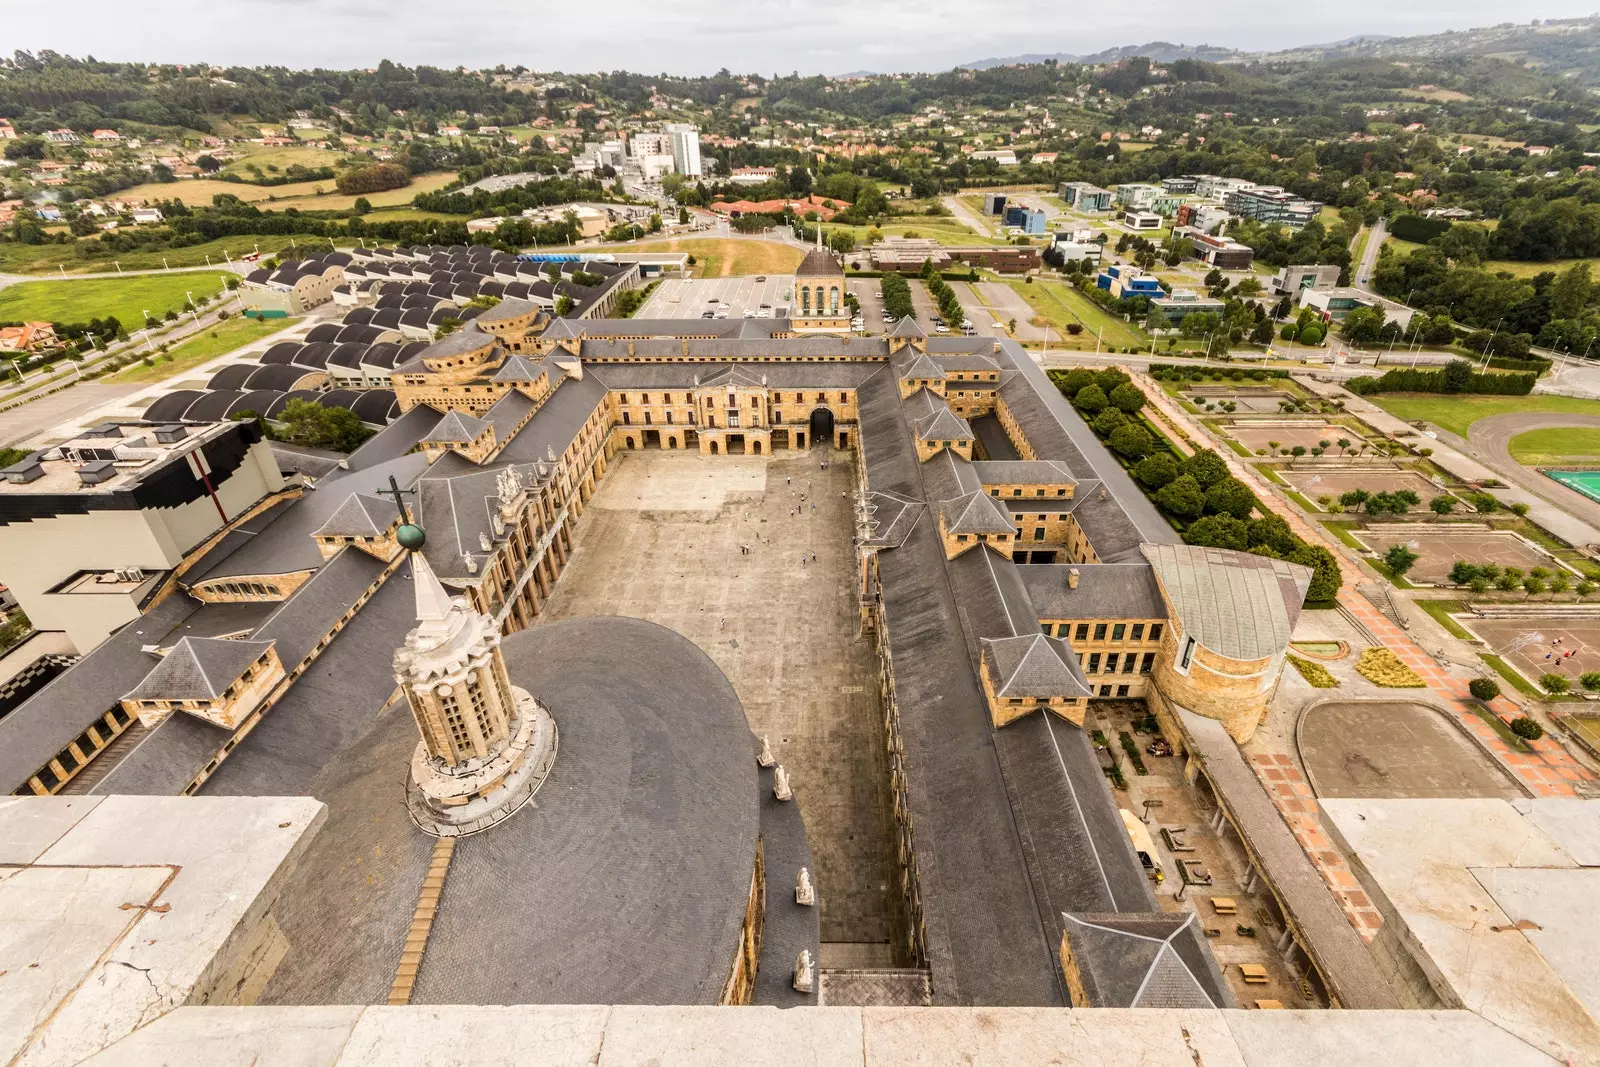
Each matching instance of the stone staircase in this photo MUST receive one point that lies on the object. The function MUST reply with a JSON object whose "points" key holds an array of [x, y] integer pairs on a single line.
{"points": [[405, 976], [1379, 595]]}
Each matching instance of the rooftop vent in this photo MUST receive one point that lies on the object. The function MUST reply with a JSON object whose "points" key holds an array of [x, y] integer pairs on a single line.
{"points": [[171, 432], [97, 471], [24, 471]]}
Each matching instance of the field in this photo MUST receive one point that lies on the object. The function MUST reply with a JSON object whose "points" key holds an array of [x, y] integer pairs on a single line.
{"points": [[1525, 644], [1524, 269], [407, 214], [720, 257], [1400, 247], [1557, 445], [1061, 304], [1313, 484], [1458, 413], [943, 229], [307, 196], [283, 159], [88, 298], [1436, 95], [1441, 549], [31, 259], [213, 342]]}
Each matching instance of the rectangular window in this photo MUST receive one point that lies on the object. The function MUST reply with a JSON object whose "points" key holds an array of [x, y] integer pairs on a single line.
{"points": [[1099, 631], [623, 397], [1118, 630], [1105, 690], [1083, 631], [1130, 662], [1038, 533], [644, 398], [1038, 492], [1147, 663], [1016, 492], [1186, 655], [1155, 631], [1111, 662], [1122, 690], [1138, 632], [1094, 663]]}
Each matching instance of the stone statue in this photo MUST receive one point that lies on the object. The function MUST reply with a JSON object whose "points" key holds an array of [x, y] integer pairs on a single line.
{"points": [[766, 758], [509, 485], [780, 784], [484, 543], [804, 892], [471, 564], [805, 972]]}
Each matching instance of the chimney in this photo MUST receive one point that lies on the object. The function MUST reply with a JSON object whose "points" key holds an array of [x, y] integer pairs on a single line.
{"points": [[1072, 577]]}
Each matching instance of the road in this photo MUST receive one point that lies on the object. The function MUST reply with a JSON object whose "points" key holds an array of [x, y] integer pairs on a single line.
{"points": [[965, 216], [1361, 276], [1489, 442]]}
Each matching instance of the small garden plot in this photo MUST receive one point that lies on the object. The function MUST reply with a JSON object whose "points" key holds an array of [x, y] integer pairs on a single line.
{"points": [[1259, 436], [1252, 402], [1439, 549], [1315, 673], [1314, 484], [1382, 667]]}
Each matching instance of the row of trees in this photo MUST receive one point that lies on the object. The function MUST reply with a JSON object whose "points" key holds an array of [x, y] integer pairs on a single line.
{"points": [[897, 296], [1456, 377], [949, 305]]}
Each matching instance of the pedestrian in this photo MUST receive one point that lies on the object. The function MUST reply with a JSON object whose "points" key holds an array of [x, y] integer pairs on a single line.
{"points": [[813, 557], [787, 480]]}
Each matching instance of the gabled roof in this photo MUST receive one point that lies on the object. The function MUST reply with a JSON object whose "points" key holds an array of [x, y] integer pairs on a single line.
{"points": [[198, 668], [360, 516], [976, 512], [1236, 604], [517, 369], [1034, 666], [907, 327], [943, 425], [508, 308], [1133, 960], [923, 367], [731, 375], [456, 426]]}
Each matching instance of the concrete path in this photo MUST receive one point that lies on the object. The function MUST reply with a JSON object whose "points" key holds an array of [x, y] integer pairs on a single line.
{"points": [[1004, 303], [965, 216]]}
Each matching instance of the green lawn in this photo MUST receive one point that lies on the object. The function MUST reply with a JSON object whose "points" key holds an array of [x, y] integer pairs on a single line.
{"points": [[88, 298], [1457, 413], [46, 259], [1567, 444], [1061, 304], [1528, 270], [221, 338]]}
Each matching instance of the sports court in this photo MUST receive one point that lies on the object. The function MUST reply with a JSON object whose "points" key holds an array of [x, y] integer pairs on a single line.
{"points": [[1439, 550], [1313, 484], [1255, 435], [1539, 646], [1585, 482]]}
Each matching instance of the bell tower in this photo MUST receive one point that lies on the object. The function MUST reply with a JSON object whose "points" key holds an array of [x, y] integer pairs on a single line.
{"points": [[487, 745]]}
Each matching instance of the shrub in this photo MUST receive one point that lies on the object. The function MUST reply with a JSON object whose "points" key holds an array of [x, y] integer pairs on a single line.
{"points": [[1183, 497], [1156, 471], [1132, 441], [1527, 727], [1399, 559], [1091, 400], [1315, 673], [1311, 335], [1484, 689], [1382, 667], [1127, 397], [1590, 680]]}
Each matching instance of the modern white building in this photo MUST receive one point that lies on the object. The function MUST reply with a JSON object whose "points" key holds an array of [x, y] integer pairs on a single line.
{"points": [[685, 149]]}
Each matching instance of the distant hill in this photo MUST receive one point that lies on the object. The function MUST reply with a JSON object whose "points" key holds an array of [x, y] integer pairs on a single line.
{"points": [[1555, 46]]}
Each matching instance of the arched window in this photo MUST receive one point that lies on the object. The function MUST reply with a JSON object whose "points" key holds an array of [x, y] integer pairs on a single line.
{"points": [[833, 299], [805, 300]]}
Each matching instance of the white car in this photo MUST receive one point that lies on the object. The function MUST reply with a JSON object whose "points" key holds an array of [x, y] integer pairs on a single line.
{"points": [[941, 328]]}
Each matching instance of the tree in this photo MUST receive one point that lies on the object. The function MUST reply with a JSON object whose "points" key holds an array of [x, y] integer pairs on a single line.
{"points": [[1533, 586], [1344, 444], [1231, 497], [362, 206], [1108, 422], [1310, 335], [1353, 498], [1326, 576], [311, 424], [1557, 583], [1399, 559], [1297, 451], [1362, 326], [1484, 689], [1527, 727], [1091, 400], [1585, 588], [1206, 467], [1262, 334], [1132, 441], [1457, 373], [1219, 531], [1155, 471], [1590, 680], [1127, 397], [373, 179], [1442, 505], [1183, 497], [564, 305]]}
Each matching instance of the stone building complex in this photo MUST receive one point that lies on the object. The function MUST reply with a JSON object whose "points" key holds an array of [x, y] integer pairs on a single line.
{"points": [[1008, 573]]}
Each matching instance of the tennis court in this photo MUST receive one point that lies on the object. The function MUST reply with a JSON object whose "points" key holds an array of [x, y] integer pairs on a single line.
{"points": [[1585, 482], [1439, 551]]}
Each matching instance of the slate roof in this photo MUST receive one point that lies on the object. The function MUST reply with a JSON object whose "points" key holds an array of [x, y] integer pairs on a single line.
{"points": [[1143, 961], [1023, 472], [818, 262], [1236, 604], [907, 327], [458, 343], [456, 426], [360, 515], [198, 668], [1034, 665], [923, 368], [517, 368], [976, 513], [943, 424], [508, 308], [1105, 591]]}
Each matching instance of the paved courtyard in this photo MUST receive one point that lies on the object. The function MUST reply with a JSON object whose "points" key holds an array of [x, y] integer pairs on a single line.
{"points": [[1314, 483], [1439, 550], [1395, 749], [1540, 646], [661, 541], [1255, 435]]}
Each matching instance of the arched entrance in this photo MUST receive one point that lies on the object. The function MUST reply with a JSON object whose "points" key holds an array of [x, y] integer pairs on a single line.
{"points": [[713, 448], [630, 442], [821, 426]]}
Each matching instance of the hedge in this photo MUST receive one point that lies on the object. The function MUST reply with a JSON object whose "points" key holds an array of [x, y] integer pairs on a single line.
{"points": [[1537, 364], [1433, 381], [1416, 228]]}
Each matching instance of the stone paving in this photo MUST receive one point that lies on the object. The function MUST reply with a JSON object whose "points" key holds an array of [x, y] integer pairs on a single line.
{"points": [[661, 540], [1548, 771]]}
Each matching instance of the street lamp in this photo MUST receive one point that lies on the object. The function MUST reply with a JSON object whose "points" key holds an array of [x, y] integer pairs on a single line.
{"points": [[164, 264]]}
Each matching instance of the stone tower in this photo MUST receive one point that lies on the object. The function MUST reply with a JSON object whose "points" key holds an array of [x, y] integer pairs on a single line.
{"points": [[819, 304], [487, 745]]}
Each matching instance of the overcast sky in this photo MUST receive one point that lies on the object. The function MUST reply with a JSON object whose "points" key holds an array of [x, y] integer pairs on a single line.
{"points": [[699, 36]]}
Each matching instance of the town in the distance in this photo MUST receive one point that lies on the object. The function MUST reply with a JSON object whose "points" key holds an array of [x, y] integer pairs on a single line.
{"points": [[1069, 559]]}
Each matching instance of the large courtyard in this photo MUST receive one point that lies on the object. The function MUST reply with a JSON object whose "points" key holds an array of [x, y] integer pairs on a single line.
{"points": [[663, 540], [1439, 549], [1358, 748]]}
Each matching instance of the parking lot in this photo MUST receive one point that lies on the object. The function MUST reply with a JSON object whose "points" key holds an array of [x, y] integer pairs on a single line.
{"points": [[690, 298]]}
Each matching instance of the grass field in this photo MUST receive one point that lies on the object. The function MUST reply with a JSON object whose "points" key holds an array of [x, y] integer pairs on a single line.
{"points": [[407, 214], [45, 259], [720, 257], [1528, 270], [1061, 304], [1458, 413], [88, 298], [1399, 247], [307, 196], [944, 230], [281, 158], [1568, 444], [218, 339]]}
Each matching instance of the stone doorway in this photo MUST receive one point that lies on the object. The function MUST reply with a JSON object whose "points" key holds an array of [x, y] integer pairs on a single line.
{"points": [[821, 426]]}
